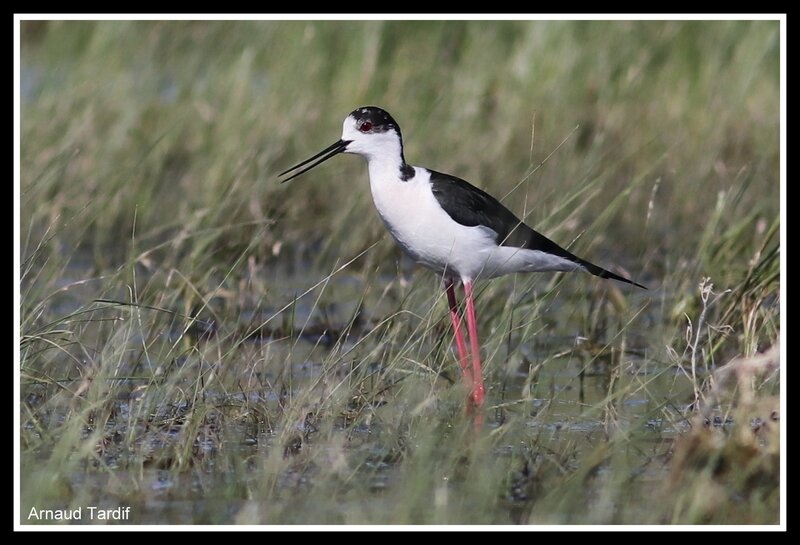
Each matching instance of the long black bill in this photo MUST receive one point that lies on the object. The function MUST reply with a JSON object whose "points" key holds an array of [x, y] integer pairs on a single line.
{"points": [[334, 149]]}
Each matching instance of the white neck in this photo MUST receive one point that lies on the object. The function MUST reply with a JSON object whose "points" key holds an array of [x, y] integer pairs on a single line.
{"points": [[384, 166]]}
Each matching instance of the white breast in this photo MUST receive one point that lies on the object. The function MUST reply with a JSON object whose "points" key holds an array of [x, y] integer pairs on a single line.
{"points": [[423, 229]]}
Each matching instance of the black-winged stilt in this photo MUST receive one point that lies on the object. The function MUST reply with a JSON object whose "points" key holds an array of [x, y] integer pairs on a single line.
{"points": [[446, 224]]}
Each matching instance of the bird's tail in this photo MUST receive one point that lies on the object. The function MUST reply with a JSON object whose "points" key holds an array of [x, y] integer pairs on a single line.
{"points": [[602, 273], [533, 240]]}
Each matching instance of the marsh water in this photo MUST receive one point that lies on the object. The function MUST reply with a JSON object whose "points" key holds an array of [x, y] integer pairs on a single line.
{"points": [[561, 393]]}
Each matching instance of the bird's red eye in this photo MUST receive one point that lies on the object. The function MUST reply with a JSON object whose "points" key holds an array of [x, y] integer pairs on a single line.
{"points": [[366, 126]]}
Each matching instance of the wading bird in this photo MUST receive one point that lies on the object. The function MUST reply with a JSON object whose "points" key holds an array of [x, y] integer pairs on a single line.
{"points": [[446, 224]]}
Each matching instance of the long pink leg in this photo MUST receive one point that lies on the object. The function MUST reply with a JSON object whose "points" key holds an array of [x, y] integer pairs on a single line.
{"points": [[472, 327], [460, 344]]}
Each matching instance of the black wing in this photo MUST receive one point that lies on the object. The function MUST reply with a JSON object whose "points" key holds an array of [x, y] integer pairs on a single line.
{"points": [[471, 206]]}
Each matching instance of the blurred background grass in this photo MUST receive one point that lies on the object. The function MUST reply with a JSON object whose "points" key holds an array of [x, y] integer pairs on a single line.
{"points": [[177, 120], [149, 158]]}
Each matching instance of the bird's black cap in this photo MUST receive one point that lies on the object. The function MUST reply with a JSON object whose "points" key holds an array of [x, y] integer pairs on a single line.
{"points": [[379, 118]]}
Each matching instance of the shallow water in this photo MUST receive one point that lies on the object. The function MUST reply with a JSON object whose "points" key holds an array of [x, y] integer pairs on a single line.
{"points": [[572, 399]]}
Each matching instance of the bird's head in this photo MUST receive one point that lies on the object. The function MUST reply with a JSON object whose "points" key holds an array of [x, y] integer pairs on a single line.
{"points": [[368, 131]]}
